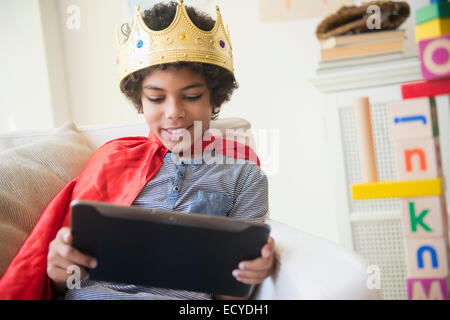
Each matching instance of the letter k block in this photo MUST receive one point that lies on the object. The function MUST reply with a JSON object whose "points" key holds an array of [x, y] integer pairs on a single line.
{"points": [[424, 217]]}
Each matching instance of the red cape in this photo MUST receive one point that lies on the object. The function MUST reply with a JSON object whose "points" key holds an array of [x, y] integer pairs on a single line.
{"points": [[115, 174]]}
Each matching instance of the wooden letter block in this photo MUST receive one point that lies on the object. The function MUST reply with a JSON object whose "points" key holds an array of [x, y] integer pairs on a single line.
{"points": [[427, 289], [424, 217], [426, 258], [425, 88], [413, 118], [418, 159], [435, 57], [432, 29], [439, 9]]}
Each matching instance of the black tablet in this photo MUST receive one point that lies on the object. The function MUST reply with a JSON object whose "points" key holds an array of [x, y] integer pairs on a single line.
{"points": [[166, 249]]}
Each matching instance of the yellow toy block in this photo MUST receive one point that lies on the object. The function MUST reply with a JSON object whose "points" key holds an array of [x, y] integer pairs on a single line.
{"points": [[397, 189], [432, 29]]}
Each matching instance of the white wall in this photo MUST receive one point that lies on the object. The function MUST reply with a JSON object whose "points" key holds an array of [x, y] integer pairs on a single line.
{"points": [[25, 99], [90, 54], [56, 62], [273, 62]]}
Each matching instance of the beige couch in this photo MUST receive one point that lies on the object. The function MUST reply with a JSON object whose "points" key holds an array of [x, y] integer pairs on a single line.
{"points": [[35, 165]]}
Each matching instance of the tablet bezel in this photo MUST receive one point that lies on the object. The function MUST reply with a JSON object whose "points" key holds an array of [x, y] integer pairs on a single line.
{"points": [[162, 218]]}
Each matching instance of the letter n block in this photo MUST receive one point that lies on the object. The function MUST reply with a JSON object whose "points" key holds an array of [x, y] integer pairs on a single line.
{"points": [[424, 217], [413, 118], [435, 57], [427, 257], [427, 289], [418, 159]]}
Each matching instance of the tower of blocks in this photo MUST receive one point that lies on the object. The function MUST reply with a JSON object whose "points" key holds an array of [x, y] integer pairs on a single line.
{"points": [[433, 37], [415, 133]]}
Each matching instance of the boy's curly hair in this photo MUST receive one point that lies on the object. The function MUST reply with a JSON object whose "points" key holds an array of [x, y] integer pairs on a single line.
{"points": [[220, 81]]}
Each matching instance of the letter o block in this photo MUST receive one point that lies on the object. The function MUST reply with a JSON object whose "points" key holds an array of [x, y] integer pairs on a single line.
{"points": [[435, 57]]}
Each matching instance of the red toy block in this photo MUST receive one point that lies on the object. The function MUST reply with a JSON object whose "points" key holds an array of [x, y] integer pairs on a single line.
{"points": [[425, 88]]}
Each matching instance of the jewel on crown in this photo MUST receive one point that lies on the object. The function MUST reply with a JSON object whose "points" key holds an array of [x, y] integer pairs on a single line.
{"points": [[180, 41]]}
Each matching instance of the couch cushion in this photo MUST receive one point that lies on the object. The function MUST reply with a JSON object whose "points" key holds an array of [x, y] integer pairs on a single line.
{"points": [[30, 176]]}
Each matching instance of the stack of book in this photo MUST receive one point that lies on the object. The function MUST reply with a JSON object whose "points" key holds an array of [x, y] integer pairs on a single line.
{"points": [[365, 47]]}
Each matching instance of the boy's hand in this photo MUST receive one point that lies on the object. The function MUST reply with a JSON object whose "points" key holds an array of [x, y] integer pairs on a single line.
{"points": [[62, 255], [257, 270]]}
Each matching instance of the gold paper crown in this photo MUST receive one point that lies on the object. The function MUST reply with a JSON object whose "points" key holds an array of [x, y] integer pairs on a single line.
{"points": [[180, 41]]}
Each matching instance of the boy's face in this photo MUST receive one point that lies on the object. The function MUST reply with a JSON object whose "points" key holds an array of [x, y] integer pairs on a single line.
{"points": [[172, 100]]}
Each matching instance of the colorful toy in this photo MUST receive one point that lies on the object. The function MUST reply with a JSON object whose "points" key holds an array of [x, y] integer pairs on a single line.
{"points": [[415, 118], [433, 37], [433, 28], [435, 57], [415, 132], [437, 9], [431, 288], [397, 189], [419, 89], [424, 217]]}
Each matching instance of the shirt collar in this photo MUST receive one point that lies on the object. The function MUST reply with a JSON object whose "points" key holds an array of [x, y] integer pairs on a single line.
{"points": [[191, 161]]}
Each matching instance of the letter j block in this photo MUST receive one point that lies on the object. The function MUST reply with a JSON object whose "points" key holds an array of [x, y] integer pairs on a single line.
{"points": [[413, 119]]}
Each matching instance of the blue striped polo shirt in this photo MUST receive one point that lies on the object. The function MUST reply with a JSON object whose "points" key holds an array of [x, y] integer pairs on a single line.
{"points": [[229, 187]]}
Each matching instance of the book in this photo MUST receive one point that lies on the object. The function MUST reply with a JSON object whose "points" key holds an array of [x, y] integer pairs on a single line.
{"points": [[360, 38], [360, 50], [323, 65]]}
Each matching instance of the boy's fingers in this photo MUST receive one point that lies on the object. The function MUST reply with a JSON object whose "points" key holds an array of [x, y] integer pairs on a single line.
{"points": [[69, 268], [250, 280], [76, 257], [83, 273], [64, 235], [62, 274], [268, 248], [257, 270], [66, 264], [57, 274], [259, 264], [266, 252], [59, 262], [68, 238], [249, 274]]}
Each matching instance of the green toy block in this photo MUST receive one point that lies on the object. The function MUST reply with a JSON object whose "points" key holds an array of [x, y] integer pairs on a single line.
{"points": [[433, 11]]}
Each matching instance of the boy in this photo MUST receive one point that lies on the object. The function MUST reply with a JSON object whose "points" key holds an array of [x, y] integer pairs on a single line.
{"points": [[178, 93]]}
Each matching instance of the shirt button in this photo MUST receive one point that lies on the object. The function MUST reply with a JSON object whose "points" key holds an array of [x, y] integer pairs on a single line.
{"points": [[181, 175], [176, 188]]}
